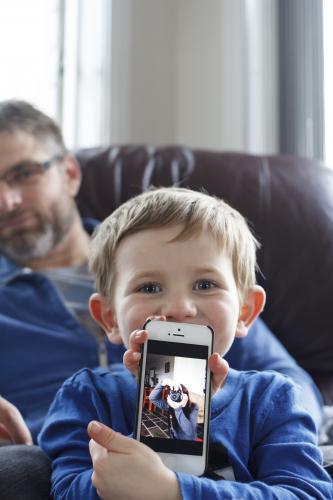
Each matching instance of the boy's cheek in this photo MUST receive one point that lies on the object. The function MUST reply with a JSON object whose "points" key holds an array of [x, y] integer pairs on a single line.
{"points": [[124, 331], [132, 318], [222, 345]]}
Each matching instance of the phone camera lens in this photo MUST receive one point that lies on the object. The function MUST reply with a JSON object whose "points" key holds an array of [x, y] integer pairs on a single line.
{"points": [[168, 333], [176, 396], [179, 329]]}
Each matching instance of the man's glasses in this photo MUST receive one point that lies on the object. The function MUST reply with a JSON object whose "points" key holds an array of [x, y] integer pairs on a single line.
{"points": [[28, 172]]}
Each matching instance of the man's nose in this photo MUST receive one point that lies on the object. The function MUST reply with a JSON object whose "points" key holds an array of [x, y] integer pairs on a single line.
{"points": [[179, 308], [10, 198]]}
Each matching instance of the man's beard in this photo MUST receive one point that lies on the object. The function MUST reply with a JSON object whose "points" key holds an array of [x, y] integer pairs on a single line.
{"points": [[26, 245]]}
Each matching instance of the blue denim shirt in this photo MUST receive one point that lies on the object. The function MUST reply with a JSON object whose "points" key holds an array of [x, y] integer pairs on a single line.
{"points": [[42, 343]]}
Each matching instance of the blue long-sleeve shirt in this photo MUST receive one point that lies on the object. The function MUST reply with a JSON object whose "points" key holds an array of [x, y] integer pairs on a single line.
{"points": [[187, 425], [270, 441]]}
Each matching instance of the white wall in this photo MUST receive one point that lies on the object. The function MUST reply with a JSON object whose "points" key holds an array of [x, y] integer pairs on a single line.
{"points": [[144, 71], [191, 373], [200, 89], [195, 72]]}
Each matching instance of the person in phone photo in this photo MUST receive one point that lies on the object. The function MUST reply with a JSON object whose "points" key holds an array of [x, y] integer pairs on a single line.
{"points": [[182, 413], [183, 256]]}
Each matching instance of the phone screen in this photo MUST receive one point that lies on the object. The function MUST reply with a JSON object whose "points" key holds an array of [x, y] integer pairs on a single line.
{"points": [[173, 402]]}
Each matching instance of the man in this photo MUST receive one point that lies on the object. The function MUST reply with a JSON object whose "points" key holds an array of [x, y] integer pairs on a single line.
{"points": [[44, 284], [45, 325], [46, 331]]}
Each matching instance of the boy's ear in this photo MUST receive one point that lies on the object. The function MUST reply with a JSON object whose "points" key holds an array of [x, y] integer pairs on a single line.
{"points": [[103, 315], [250, 310]]}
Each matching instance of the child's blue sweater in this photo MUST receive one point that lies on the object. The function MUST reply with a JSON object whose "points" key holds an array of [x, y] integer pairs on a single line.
{"points": [[256, 419]]}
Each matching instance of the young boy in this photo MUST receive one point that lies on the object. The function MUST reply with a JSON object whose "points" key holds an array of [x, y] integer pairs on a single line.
{"points": [[179, 255]]}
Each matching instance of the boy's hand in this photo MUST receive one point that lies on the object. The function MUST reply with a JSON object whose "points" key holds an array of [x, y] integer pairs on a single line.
{"points": [[127, 469], [12, 426], [132, 356], [219, 368]]}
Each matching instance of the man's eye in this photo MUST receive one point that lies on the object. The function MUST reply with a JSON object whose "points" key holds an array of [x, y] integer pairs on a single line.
{"points": [[23, 174], [26, 172], [150, 288], [204, 285]]}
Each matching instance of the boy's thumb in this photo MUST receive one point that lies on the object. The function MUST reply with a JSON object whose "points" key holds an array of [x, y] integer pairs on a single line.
{"points": [[106, 437]]}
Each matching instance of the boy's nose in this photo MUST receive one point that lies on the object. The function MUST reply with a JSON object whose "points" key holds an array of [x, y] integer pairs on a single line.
{"points": [[10, 198], [179, 309]]}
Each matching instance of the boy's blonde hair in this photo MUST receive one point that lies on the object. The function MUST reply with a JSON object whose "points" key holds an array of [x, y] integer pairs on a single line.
{"points": [[163, 207]]}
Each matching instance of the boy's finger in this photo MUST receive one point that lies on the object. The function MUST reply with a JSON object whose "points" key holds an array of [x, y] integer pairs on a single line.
{"points": [[137, 338], [108, 438], [220, 369], [96, 450], [157, 318], [131, 360]]}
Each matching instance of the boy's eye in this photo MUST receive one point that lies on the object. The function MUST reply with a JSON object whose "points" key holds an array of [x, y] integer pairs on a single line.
{"points": [[150, 288], [204, 285]]}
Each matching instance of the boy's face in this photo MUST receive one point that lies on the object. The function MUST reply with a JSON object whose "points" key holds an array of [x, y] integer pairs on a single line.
{"points": [[188, 281]]}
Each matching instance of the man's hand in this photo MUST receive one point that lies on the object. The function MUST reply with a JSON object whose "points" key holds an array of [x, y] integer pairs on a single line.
{"points": [[127, 469], [218, 366], [12, 425]]}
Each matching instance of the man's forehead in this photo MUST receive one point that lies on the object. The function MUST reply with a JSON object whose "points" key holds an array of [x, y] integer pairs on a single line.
{"points": [[19, 146]]}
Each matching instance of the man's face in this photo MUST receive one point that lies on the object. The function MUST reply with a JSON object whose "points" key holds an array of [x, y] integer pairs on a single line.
{"points": [[187, 281], [34, 215]]}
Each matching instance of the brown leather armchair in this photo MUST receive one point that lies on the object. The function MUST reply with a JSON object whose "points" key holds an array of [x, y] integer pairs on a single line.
{"points": [[288, 202]]}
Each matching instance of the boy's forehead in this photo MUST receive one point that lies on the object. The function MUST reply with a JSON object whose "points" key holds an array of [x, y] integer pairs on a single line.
{"points": [[146, 247], [150, 236]]}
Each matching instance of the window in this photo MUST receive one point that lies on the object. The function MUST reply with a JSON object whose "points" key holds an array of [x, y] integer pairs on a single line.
{"points": [[29, 56], [56, 54], [86, 110]]}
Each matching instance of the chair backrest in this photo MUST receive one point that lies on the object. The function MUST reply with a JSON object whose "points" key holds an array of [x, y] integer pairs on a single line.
{"points": [[288, 202]]}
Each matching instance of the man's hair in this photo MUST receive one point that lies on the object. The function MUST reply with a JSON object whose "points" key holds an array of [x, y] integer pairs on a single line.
{"points": [[164, 207], [18, 115]]}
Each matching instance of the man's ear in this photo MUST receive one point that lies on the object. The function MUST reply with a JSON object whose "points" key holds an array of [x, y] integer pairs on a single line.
{"points": [[250, 310], [73, 174], [104, 316]]}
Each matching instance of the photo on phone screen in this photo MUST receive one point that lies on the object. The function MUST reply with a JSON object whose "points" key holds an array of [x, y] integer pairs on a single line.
{"points": [[173, 400]]}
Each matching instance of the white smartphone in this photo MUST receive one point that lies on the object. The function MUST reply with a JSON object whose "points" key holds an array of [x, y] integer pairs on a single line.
{"points": [[173, 408]]}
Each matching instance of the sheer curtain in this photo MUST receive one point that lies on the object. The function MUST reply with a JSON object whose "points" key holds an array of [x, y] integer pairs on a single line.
{"points": [[86, 96]]}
